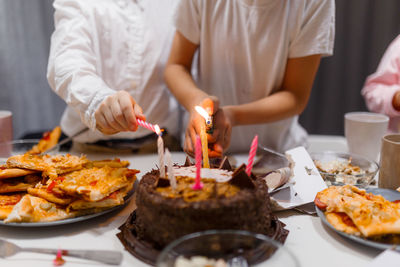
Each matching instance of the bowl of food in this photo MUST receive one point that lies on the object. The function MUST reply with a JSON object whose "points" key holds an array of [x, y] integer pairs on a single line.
{"points": [[340, 168], [223, 248]]}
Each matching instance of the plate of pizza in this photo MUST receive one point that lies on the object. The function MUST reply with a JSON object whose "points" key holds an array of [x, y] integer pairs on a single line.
{"points": [[39, 189], [370, 217]]}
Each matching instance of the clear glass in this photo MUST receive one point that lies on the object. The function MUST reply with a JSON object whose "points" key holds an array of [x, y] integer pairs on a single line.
{"points": [[228, 246], [368, 168], [18, 147]]}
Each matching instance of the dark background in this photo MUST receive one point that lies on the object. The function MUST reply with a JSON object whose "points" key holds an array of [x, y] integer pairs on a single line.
{"points": [[364, 28]]}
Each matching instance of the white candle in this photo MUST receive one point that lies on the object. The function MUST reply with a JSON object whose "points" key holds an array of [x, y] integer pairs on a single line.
{"points": [[160, 146], [171, 175]]}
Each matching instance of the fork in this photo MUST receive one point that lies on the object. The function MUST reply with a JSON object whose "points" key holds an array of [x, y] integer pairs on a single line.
{"points": [[105, 256]]}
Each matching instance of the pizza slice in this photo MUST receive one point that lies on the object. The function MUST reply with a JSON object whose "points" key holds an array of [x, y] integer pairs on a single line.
{"points": [[54, 196], [114, 163], [48, 141], [50, 165], [372, 214], [20, 184], [342, 223], [35, 209], [6, 173], [114, 199], [95, 184], [7, 203]]}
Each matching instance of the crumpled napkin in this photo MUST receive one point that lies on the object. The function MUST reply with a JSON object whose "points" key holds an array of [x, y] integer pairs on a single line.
{"points": [[302, 185]]}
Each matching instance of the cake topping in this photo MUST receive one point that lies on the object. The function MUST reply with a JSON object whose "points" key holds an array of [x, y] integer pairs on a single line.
{"points": [[187, 162], [211, 190], [162, 182], [225, 165], [241, 179], [218, 175]]}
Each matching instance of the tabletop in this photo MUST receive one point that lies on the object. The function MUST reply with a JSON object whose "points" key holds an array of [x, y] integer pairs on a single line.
{"points": [[310, 241]]}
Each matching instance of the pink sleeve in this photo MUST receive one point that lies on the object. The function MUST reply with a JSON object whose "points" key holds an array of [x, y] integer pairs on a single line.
{"points": [[380, 86]]}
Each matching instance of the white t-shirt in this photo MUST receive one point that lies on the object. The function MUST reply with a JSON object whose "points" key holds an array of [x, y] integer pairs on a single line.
{"points": [[102, 46], [243, 50]]}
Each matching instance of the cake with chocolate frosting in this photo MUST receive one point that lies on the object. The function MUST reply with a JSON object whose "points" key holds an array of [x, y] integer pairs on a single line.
{"points": [[228, 200]]}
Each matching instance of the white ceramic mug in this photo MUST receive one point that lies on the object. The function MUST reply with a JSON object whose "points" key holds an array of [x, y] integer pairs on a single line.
{"points": [[6, 132], [364, 131], [389, 173]]}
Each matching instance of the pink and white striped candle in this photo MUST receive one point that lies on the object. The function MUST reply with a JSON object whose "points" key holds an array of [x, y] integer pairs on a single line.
{"points": [[252, 154], [146, 125], [198, 185]]}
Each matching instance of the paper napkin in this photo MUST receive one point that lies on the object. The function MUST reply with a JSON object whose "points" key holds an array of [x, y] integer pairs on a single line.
{"points": [[307, 181]]}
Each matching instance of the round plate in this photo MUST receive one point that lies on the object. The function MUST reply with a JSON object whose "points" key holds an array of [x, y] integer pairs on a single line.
{"points": [[127, 198], [388, 194]]}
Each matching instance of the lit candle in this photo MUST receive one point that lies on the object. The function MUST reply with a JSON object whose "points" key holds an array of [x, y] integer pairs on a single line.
{"points": [[203, 136], [160, 146], [198, 185], [171, 175], [252, 154], [204, 146]]}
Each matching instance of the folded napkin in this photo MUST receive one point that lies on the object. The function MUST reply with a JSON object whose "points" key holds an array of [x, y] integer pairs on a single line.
{"points": [[303, 185]]}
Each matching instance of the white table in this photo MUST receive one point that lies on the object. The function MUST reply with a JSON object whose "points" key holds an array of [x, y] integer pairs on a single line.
{"points": [[311, 242]]}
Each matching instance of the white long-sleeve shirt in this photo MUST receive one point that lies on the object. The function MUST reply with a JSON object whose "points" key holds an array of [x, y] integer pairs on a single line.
{"points": [[102, 46]]}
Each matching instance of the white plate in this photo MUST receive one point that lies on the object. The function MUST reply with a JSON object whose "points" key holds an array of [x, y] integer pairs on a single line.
{"points": [[127, 198], [388, 194]]}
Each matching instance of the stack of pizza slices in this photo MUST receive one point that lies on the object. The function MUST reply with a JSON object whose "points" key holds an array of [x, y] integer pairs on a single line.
{"points": [[354, 211], [43, 188]]}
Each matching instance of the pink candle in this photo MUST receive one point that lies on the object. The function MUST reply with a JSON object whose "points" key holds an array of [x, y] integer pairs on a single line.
{"points": [[146, 125], [252, 154], [198, 185]]}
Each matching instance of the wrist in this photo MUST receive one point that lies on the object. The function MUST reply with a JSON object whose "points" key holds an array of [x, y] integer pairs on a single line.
{"points": [[229, 112]]}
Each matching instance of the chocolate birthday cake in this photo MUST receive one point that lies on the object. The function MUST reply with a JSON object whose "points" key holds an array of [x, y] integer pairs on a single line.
{"points": [[228, 200]]}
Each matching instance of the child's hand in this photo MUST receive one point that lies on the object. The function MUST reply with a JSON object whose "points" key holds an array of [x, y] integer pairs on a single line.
{"points": [[222, 130], [196, 121], [118, 113]]}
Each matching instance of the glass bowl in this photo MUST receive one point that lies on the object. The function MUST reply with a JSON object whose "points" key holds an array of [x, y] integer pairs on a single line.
{"points": [[19, 147], [339, 168], [227, 247]]}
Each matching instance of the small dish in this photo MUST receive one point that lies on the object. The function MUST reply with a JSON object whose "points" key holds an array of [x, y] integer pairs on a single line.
{"points": [[19, 147], [339, 168], [226, 247]]}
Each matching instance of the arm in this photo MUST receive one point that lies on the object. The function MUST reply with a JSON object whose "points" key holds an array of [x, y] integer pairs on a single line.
{"points": [[180, 82], [381, 90], [289, 101], [74, 71], [177, 72]]}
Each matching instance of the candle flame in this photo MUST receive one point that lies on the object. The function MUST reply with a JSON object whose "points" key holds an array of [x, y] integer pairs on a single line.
{"points": [[202, 112], [157, 128]]}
